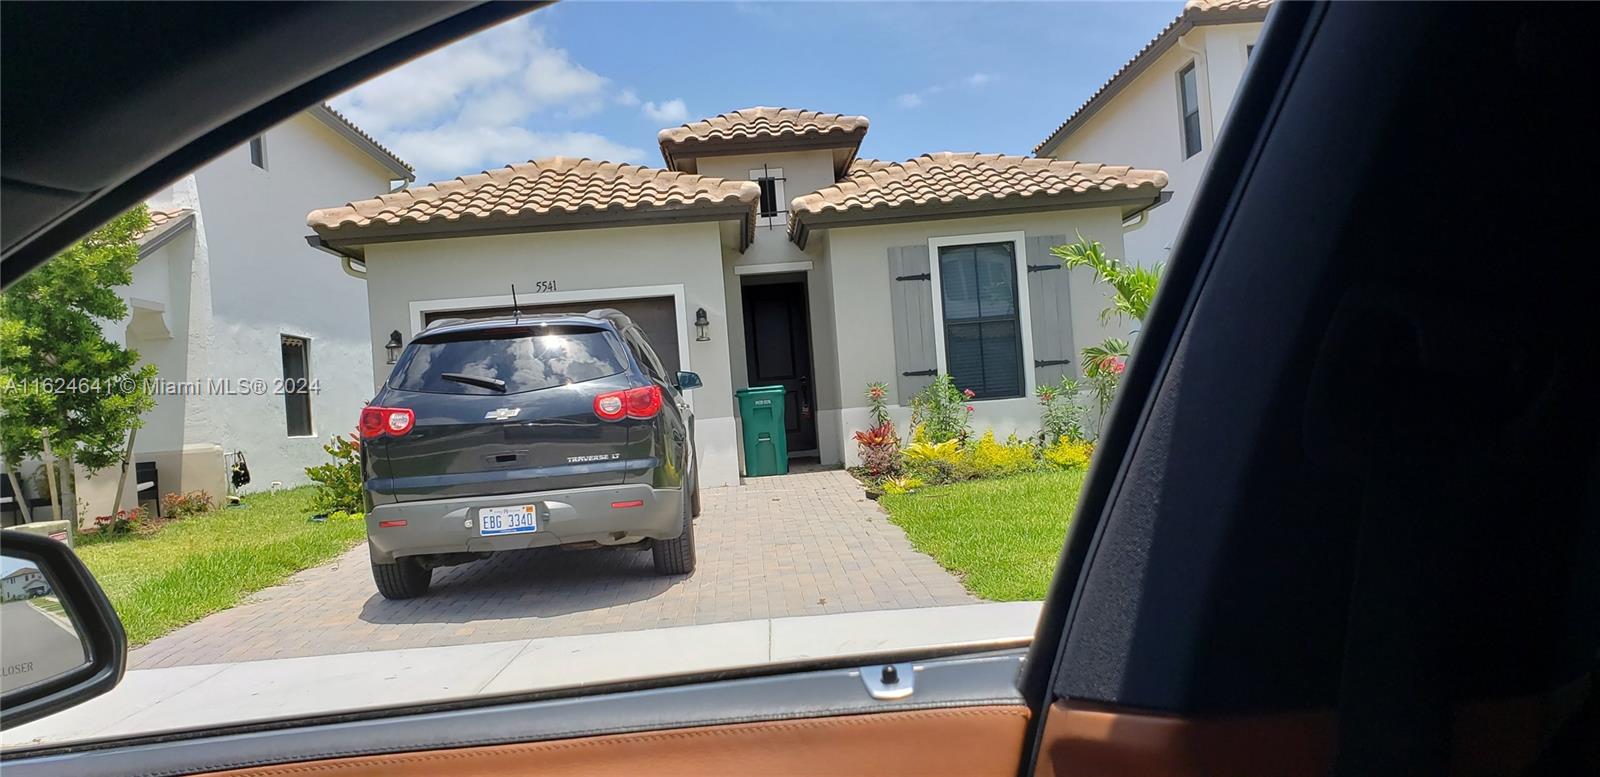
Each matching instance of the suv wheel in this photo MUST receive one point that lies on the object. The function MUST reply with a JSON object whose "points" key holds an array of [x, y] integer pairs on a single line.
{"points": [[404, 579], [676, 556]]}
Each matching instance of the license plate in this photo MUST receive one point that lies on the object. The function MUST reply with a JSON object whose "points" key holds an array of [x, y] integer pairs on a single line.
{"points": [[520, 519]]}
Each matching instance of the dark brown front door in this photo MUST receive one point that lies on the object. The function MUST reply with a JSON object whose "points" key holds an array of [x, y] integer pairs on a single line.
{"points": [[777, 341]]}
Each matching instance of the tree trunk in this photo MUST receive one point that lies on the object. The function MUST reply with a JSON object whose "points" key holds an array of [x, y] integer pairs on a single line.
{"points": [[50, 479], [122, 479], [16, 493], [69, 490]]}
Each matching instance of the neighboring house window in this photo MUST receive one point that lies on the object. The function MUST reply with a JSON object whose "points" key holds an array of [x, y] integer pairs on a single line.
{"points": [[773, 209], [296, 386], [1249, 50], [1189, 105], [258, 151], [982, 332]]}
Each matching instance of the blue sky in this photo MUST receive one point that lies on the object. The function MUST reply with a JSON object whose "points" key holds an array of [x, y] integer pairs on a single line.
{"points": [[599, 79]]}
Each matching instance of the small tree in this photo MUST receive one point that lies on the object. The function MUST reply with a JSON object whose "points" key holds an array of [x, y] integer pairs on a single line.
{"points": [[62, 383], [1133, 288]]}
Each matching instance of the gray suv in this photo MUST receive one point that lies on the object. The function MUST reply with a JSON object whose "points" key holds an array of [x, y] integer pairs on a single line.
{"points": [[527, 432]]}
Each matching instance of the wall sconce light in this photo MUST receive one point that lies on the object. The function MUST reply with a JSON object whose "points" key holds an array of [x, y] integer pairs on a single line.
{"points": [[393, 346], [700, 324]]}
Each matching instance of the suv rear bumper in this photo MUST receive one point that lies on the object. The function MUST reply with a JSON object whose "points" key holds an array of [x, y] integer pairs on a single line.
{"points": [[564, 518]]}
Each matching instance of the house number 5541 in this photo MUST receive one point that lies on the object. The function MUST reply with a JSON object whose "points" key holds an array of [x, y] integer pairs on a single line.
{"points": [[540, 287]]}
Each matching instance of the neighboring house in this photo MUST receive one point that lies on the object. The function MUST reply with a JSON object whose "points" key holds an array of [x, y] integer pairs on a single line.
{"points": [[1164, 109], [232, 307], [766, 253], [23, 584]]}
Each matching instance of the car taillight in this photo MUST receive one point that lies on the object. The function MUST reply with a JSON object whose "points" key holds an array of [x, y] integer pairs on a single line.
{"points": [[641, 403], [610, 407], [379, 421], [644, 402]]}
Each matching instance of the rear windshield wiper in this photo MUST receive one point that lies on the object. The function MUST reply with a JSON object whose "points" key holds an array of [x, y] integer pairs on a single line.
{"points": [[493, 384]]}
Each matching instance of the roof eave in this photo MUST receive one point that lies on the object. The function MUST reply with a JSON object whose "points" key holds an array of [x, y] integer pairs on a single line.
{"points": [[1142, 62], [351, 241], [676, 153], [1128, 201], [346, 130], [166, 233]]}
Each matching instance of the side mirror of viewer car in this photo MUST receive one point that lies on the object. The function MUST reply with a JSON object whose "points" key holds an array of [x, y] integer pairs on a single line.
{"points": [[689, 380], [60, 641]]}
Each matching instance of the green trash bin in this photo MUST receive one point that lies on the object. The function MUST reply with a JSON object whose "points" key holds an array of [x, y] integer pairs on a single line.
{"points": [[766, 446]]}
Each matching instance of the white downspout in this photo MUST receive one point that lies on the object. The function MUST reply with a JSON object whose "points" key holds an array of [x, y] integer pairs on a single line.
{"points": [[349, 266]]}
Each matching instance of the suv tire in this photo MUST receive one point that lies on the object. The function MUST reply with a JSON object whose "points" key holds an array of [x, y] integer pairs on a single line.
{"points": [[676, 556], [404, 579]]}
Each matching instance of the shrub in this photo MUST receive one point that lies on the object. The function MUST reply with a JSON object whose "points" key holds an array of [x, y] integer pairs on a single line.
{"points": [[941, 410], [1069, 454], [989, 458], [338, 481], [902, 485], [880, 450], [123, 522], [1062, 416], [937, 462], [176, 506]]}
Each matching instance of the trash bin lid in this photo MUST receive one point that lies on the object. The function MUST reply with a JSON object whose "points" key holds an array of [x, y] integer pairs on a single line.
{"points": [[759, 390]]}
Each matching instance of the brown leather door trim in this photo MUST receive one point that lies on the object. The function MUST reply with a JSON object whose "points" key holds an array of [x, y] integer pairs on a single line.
{"points": [[1089, 742], [966, 741]]}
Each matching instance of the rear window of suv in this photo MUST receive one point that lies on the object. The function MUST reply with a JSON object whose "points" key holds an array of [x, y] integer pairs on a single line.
{"points": [[525, 360]]}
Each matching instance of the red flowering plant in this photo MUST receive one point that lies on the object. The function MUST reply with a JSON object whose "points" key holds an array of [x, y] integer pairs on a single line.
{"points": [[880, 445], [123, 522]]}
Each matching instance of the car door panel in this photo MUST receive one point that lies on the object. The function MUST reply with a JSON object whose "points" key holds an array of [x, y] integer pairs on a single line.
{"points": [[982, 681], [981, 741]]}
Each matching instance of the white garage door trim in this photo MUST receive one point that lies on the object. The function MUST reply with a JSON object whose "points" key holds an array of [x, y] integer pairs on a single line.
{"points": [[422, 307]]}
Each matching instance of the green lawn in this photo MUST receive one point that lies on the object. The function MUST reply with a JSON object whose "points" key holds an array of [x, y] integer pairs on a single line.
{"points": [[1001, 537], [188, 569]]}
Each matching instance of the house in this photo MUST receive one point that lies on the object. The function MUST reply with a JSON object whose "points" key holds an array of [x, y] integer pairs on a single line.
{"points": [[232, 307], [24, 583], [765, 252], [1164, 109]]}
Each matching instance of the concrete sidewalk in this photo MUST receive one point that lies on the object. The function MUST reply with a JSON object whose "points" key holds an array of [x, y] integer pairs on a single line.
{"points": [[152, 700]]}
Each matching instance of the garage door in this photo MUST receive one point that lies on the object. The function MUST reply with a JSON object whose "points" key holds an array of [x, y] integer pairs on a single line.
{"points": [[657, 316]]}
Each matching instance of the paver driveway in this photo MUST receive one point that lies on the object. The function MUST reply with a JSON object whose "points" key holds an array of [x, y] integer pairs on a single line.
{"points": [[800, 544]]}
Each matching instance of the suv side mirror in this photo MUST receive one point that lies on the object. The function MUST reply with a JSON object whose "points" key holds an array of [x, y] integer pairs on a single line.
{"points": [[61, 642], [688, 380]]}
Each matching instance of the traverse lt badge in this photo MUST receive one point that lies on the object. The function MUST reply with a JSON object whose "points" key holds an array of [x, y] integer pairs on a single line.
{"points": [[502, 414]]}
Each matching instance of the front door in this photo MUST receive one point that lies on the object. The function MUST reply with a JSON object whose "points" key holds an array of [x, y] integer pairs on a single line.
{"points": [[777, 341]]}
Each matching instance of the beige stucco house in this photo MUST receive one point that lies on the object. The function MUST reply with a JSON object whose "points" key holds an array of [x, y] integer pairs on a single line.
{"points": [[1165, 107], [810, 267]]}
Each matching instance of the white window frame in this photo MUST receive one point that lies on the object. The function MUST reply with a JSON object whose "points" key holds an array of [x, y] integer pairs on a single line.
{"points": [[1019, 243], [262, 138], [778, 198], [1192, 66], [311, 409]]}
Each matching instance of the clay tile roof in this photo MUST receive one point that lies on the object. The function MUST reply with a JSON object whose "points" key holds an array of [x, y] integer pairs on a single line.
{"points": [[554, 191], [760, 126], [163, 222], [1195, 13], [963, 183], [384, 150]]}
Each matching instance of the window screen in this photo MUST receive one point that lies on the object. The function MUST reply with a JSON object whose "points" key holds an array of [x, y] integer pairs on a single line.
{"points": [[1189, 104], [296, 386], [983, 340], [526, 361], [769, 196]]}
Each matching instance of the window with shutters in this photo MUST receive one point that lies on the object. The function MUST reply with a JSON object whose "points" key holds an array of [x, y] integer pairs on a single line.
{"points": [[979, 303], [296, 385], [773, 209]]}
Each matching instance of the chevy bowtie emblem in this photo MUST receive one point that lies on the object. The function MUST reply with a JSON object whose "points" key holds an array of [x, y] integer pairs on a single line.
{"points": [[502, 413]]}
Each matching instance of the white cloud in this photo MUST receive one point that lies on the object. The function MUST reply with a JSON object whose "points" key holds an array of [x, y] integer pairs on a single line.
{"points": [[464, 107], [671, 111], [465, 149], [917, 98]]}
